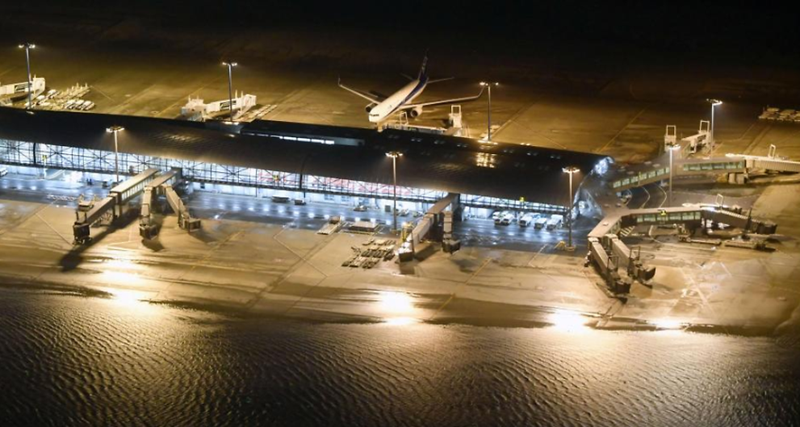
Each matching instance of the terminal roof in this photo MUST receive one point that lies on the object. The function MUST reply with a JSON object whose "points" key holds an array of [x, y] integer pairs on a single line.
{"points": [[437, 162]]}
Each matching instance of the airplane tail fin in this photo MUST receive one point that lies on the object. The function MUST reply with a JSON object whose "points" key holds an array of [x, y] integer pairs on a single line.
{"points": [[422, 69]]}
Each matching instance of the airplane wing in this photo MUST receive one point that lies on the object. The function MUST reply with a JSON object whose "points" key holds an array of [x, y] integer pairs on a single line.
{"points": [[378, 95], [440, 80], [367, 96], [443, 101]]}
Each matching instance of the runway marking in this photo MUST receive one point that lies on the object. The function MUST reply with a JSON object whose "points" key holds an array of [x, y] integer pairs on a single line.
{"points": [[539, 134], [51, 227], [303, 260], [603, 148], [120, 107], [275, 111], [313, 251], [513, 117], [6, 71], [23, 220], [96, 89], [665, 196], [746, 132], [648, 197], [703, 298], [466, 282], [200, 262], [757, 140], [536, 255], [282, 101], [722, 264]]}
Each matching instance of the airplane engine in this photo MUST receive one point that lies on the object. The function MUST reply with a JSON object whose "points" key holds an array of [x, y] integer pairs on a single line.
{"points": [[414, 112], [369, 107]]}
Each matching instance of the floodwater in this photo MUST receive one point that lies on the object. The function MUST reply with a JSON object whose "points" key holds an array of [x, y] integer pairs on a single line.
{"points": [[68, 359]]}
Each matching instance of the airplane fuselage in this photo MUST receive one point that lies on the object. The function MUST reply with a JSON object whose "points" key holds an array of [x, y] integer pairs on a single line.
{"points": [[380, 109], [397, 100]]}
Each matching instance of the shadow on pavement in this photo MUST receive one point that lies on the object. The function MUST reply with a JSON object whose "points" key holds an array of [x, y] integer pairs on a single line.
{"points": [[74, 257]]}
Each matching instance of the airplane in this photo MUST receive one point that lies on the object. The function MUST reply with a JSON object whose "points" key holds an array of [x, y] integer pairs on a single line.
{"points": [[380, 107]]}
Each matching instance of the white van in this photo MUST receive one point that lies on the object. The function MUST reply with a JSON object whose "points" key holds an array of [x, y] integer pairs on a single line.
{"points": [[3, 171], [539, 223], [554, 221], [526, 220], [499, 218]]}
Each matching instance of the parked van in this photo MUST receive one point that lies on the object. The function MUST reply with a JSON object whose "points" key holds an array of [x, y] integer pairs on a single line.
{"points": [[527, 220], [508, 218], [499, 218], [554, 221], [539, 223], [3, 171]]}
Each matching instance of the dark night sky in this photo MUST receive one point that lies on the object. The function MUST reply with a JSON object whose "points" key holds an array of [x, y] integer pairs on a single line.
{"points": [[740, 33], [660, 23]]}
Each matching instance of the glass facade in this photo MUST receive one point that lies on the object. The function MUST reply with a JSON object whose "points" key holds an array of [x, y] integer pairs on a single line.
{"points": [[88, 160]]}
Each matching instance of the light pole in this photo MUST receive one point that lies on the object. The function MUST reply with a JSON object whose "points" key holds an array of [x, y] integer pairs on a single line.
{"points": [[714, 103], [394, 155], [28, 46], [671, 148], [230, 66], [489, 109], [115, 130], [570, 170]]}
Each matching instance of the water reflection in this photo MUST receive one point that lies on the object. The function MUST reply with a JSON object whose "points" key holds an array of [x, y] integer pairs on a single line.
{"points": [[131, 301], [65, 357], [400, 321], [396, 308], [669, 324], [568, 321], [125, 297], [120, 278]]}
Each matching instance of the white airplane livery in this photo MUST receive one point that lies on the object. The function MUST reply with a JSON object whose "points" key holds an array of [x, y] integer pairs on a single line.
{"points": [[380, 108]]}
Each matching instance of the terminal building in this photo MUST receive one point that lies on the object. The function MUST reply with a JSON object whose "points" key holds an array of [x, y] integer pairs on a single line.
{"points": [[313, 162]]}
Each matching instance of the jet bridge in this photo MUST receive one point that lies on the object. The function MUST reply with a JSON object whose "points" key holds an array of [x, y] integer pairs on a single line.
{"points": [[163, 186], [770, 162], [736, 166], [435, 223], [700, 139], [109, 207], [196, 109], [609, 253], [607, 267]]}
